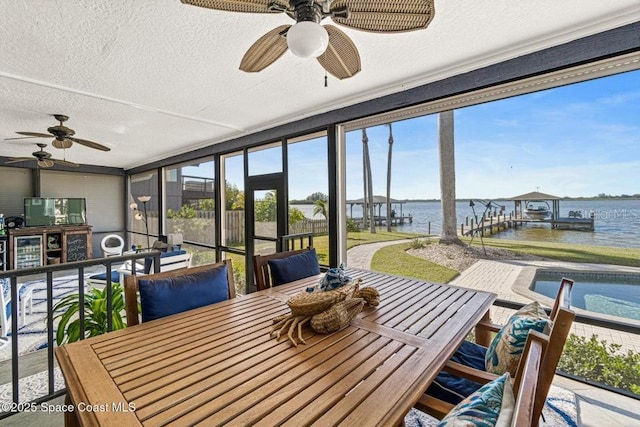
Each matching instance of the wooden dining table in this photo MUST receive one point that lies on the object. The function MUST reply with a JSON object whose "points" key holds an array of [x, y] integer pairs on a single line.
{"points": [[218, 365]]}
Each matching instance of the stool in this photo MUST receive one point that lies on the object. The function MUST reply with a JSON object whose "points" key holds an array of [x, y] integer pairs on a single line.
{"points": [[25, 294]]}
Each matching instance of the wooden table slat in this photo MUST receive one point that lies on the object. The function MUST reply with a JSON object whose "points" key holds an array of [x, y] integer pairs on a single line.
{"points": [[355, 363], [155, 357], [363, 390], [174, 330], [403, 306], [265, 381], [377, 368]]}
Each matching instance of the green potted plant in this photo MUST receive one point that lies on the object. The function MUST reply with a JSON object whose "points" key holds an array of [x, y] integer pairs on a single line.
{"points": [[95, 314]]}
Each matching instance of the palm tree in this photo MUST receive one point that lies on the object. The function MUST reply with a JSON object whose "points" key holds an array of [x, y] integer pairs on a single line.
{"points": [[389, 179], [369, 182], [447, 178], [321, 207], [365, 140]]}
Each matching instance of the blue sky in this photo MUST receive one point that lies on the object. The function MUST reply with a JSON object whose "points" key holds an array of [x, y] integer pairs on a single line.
{"points": [[577, 140]]}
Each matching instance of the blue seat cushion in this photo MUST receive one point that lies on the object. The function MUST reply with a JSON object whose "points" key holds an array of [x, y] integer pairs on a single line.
{"points": [[171, 295], [115, 276], [293, 268], [148, 262], [454, 389]]}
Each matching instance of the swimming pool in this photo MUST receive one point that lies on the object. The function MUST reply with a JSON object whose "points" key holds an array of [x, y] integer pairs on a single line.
{"points": [[615, 294]]}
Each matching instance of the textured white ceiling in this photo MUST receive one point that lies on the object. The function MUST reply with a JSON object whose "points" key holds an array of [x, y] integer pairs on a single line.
{"points": [[154, 78]]}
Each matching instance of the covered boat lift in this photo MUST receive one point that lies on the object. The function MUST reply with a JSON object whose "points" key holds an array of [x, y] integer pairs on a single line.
{"points": [[574, 222], [522, 200]]}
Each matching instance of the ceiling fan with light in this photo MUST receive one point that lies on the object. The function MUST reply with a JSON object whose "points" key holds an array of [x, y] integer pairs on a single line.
{"points": [[307, 38], [63, 136], [43, 158]]}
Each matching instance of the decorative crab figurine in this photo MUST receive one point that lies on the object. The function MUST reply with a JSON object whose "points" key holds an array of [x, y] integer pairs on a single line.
{"points": [[328, 311]]}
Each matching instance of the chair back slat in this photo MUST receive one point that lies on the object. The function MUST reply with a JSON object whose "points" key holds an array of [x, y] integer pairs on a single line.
{"points": [[563, 298], [131, 286], [525, 383], [562, 324]]}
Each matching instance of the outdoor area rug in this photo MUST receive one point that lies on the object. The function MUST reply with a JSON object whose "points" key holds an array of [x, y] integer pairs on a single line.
{"points": [[560, 410], [32, 335], [32, 387]]}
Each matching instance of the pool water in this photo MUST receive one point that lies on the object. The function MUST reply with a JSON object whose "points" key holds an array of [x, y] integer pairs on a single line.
{"points": [[612, 294]]}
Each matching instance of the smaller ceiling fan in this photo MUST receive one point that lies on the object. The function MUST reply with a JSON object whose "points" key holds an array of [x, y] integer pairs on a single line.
{"points": [[43, 158], [63, 136]]}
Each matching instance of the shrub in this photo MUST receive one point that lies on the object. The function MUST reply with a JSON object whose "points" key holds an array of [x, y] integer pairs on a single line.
{"points": [[601, 362], [417, 243], [352, 226]]}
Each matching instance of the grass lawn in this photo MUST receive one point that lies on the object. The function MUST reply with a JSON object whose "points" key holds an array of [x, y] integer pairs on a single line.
{"points": [[394, 260], [569, 252], [321, 243]]}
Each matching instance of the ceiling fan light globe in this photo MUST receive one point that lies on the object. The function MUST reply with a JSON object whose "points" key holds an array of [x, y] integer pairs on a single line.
{"points": [[307, 39]]}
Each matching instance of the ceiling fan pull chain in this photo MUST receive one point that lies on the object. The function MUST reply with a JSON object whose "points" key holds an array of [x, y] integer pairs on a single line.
{"points": [[325, 79]]}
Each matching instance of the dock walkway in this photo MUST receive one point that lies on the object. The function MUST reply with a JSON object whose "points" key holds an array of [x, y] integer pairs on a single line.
{"points": [[496, 223]]}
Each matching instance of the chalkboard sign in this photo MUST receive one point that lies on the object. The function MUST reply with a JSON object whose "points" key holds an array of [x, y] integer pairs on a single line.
{"points": [[76, 247]]}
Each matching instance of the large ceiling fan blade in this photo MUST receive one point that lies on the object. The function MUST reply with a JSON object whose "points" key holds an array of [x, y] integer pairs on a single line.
{"points": [[89, 144], [22, 137], [383, 16], [65, 162], [19, 159], [34, 135], [251, 6], [266, 50], [341, 59]]}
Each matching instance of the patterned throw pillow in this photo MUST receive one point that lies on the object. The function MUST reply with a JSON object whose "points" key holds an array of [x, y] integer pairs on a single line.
{"points": [[492, 405], [503, 354]]}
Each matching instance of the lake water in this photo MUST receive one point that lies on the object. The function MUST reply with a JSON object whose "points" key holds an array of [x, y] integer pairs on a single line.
{"points": [[617, 222]]}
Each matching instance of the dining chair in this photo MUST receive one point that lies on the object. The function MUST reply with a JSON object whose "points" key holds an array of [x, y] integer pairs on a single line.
{"points": [[284, 267], [512, 400], [474, 363], [171, 292]]}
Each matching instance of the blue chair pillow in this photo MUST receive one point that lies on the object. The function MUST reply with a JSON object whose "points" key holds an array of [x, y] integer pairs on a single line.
{"points": [[293, 268], [148, 262], [454, 389], [171, 295]]}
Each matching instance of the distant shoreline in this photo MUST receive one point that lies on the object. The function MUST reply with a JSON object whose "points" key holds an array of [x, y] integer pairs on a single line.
{"points": [[634, 197]]}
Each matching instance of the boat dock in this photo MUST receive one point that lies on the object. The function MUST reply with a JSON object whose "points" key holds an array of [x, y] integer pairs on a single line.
{"points": [[497, 222], [382, 220]]}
